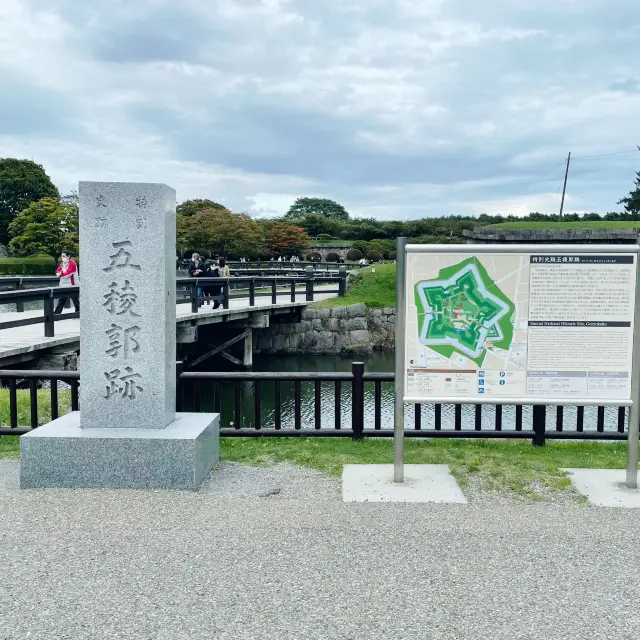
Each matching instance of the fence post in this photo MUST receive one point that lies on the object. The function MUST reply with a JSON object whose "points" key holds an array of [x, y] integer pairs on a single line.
{"points": [[310, 276], [252, 292], [194, 297], [179, 395], [49, 330], [274, 292], [342, 283], [539, 425], [357, 400], [19, 303], [225, 295]]}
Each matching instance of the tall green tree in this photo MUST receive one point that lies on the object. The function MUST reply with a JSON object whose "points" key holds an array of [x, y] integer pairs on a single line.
{"points": [[320, 206], [189, 207], [21, 183], [48, 226], [632, 201]]}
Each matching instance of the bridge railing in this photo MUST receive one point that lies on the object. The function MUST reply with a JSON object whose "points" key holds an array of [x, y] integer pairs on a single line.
{"points": [[197, 291], [337, 404]]}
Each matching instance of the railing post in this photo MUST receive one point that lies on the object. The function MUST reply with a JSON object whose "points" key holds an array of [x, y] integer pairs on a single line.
{"points": [[274, 292], [179, 395], [252, 292], [19, 303], [49, 330], [357, 400], [194, 296], [342, 283], [539, 426], [225, 295], [310, 276]]}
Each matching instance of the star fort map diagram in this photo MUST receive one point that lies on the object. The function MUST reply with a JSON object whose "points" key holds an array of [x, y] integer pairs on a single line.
{"points": [[465, 315], [464, 311]]}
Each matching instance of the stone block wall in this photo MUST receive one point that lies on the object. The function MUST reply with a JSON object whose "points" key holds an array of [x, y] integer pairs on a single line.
{"points": [[352, 330]]}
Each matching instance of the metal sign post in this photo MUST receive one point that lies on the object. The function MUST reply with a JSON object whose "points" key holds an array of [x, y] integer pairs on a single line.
{"points": [[634, 410], [401, 311]]}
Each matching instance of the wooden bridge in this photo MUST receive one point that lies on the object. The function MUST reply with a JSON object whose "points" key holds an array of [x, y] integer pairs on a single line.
{"points": [[28, 336]]}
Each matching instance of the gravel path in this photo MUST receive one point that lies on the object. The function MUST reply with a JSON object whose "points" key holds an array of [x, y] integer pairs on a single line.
{"points": [[274, 553]]}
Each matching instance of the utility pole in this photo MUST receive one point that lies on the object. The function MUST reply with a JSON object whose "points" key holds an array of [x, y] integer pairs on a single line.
{"points": [[564, 188]]}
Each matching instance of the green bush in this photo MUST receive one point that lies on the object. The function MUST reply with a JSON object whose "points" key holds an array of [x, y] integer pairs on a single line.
{"points": [[332, 257], [374, 255], [354, 255], [40, 266]]}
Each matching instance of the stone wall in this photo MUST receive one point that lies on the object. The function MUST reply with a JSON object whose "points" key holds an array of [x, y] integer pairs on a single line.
{"points": [[488, 235], [352, 330]]}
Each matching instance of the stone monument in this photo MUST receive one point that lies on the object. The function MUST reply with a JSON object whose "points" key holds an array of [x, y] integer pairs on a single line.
{"points": [[127, 433]]}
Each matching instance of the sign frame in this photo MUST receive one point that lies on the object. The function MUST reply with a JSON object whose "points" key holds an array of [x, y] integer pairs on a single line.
{"points": [[403, 249]]}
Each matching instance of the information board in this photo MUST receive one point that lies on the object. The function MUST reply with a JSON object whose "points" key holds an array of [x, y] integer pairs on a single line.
{"points": [[528, 324]]}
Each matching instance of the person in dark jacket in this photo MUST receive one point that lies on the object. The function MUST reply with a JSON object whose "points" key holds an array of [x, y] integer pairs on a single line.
{"points": [[197, 270]]}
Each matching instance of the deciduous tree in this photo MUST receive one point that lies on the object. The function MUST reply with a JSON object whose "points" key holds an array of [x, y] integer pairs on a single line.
{"points": [[221, 232], [320, 206], [21, 183], [189, 207], [282, 238], [47, 226]]}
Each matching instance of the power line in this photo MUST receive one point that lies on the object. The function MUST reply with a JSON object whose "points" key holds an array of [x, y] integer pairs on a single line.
{"points": [[606, 155]]}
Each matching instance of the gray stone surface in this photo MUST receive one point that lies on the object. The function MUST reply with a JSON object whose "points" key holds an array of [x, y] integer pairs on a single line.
{"points": [[127, 297], [274, 554], [355, 310], [325, 340], [317, 324], [355, 324], [359, 337], [339, 312], [62, 455]]}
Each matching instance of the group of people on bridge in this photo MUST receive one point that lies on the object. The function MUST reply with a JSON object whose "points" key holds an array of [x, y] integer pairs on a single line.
{"points": [[199, 268]]}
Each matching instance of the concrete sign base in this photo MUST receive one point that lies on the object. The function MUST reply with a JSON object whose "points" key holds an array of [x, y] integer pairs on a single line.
{"points": [[422, 483], [605, 487]]}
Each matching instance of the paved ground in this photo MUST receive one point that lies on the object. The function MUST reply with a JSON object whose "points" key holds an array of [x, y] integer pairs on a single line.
{"points": [[31, 338], [274, 553]]}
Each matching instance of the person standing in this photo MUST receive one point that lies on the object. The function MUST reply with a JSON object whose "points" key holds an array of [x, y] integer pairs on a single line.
{"points": [[67, 271], [196, 270], [223, 272]]}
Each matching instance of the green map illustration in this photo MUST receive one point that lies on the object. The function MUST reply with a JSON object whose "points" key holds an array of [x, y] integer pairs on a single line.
{"points": [[463, 311]]}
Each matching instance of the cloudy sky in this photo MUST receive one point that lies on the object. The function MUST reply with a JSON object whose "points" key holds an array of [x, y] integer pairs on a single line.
{"points": [[394, 108]]}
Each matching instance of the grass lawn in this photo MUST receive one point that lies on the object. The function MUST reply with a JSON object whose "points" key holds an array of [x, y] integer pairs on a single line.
{"points": [[587, 224], [375, 288], [24, 406], [512, 466]]}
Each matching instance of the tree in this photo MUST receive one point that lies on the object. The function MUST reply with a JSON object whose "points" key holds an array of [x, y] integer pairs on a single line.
{"points": [[282, 238], [319, 206], [21, 183], [220, 232], [48, 226], [632, 201], [189, 207]]}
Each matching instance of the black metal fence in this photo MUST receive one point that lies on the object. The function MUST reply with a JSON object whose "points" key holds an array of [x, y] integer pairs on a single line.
{"points": [[193, 290], [363, 388]]}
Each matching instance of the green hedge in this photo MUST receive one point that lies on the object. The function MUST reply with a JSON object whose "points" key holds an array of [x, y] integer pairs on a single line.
{"points": [[40, 266]]}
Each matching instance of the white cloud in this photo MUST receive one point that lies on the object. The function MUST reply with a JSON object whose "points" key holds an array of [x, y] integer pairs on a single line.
{"points": [[392, 107]]}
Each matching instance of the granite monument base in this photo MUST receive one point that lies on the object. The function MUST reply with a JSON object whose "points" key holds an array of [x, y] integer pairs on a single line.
{"points": [[62, 455]]}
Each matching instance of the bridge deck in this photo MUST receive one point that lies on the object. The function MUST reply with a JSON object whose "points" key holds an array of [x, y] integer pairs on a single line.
{"points": [[22, 340]]}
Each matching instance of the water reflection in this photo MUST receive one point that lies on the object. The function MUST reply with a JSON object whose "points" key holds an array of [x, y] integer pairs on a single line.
{"points": [[378, 362]]}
